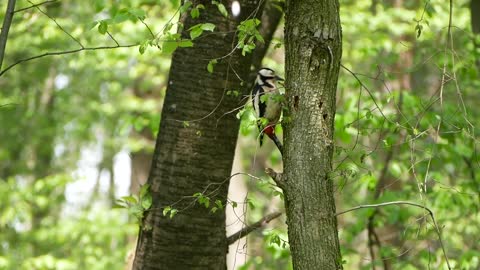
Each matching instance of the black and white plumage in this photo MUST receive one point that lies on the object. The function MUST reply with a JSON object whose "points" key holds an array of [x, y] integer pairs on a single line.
{"points": [[268, 107]]}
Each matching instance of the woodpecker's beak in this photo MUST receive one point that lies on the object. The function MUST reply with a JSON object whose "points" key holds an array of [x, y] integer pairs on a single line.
{"points": [[278, 78]]}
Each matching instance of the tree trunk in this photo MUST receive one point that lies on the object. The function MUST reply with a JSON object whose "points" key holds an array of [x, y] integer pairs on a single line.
{"points": [[313, 53], [194, 150]]}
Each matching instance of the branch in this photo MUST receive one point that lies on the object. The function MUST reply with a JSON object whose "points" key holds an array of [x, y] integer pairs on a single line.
{"points": [[35, 5], [65, 52], [257, 225], [277, 178], [437, 229], [7, 21], [58, 25]]}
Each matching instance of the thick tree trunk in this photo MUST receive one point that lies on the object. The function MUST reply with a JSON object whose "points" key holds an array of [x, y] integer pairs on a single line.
{"points": [[313, 52], [196, 157]]}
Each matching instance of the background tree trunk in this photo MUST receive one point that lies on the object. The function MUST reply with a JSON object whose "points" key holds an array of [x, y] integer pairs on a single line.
{"points": [[196, 157], [313, 53]]}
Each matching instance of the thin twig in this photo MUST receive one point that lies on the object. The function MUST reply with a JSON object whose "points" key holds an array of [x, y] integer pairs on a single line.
{"points": [[114, 40], [64, 52], [58, 25], [35, 5], [430, 212], [149, 30], [7, 21], [257, 225], [371, 95]]}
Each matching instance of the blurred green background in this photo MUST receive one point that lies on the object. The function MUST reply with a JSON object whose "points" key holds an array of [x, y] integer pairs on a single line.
{"points": [[77, 132]]}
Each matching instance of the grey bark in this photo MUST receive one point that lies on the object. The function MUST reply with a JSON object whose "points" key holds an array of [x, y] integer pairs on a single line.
{"points": [[197, 158], [313, 53]]}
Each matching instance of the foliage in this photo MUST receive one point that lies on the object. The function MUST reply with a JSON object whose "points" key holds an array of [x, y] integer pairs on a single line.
{"points": [[137, 205], [394, 99], [67, 238]]}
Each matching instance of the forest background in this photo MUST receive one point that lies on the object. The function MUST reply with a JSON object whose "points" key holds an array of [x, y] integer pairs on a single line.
{"points": [[82, 86]]}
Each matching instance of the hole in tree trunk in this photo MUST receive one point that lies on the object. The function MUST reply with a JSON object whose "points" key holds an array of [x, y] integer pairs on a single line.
{"points": [[296, 99]]}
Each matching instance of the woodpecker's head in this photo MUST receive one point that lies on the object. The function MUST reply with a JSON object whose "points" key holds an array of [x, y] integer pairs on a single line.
{"points": [[267, 77]]}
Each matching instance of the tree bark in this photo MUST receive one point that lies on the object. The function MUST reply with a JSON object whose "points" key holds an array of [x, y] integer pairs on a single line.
{"points": [[313, 53], [7, 21], [196, 157]]}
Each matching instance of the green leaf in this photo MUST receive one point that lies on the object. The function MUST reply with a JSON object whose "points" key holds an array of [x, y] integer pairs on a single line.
{"points": [[234, 204], [207, 202], [185, 43], [116, 206], [168, 27], [119, 18], [259, 37], [130, 199], [139, 13], [103, 27], [222, 9], [143, 190], [195, 32], [185, 6], [419, 29], [142, 48], [211, 64], [208, 27], [251, 204], [195, 13], [169, 46], [173, 212], [147, 202], [166, 210], [136, 210], [213, 209], [204, 200], [92, 25], [278, 193], [219, 204]]}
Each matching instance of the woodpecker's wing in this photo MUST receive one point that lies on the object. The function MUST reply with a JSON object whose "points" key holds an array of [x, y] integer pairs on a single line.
{"points": [[258, 105]]}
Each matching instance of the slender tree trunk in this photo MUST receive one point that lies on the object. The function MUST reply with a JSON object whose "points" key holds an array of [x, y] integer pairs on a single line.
{"points": [[313, 53], [198, 156], [7, 21]]}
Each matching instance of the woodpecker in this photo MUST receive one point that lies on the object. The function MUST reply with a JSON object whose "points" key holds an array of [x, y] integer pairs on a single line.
{"points": [[267, 104]]}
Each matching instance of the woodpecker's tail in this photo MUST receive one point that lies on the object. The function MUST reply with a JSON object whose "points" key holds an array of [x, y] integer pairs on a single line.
{"points": [[270, 131], [277, 143], [261, 134]]}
